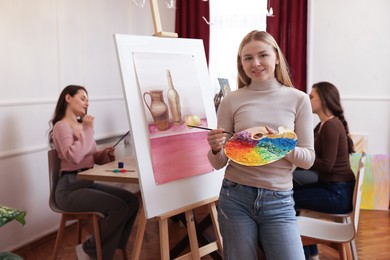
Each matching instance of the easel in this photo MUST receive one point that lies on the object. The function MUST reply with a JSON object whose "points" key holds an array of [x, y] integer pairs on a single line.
{"points": [[196, 252], [157, 22]]}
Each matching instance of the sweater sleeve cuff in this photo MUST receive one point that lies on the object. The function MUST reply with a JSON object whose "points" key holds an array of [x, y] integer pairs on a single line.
{"points": [[218, 160]]}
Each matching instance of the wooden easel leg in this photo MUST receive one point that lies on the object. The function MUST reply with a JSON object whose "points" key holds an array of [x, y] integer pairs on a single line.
{"points": [[192, 235], [214, 218], [139, 236], [164, 238], [157, 22], [196, 252], [156, 16]]}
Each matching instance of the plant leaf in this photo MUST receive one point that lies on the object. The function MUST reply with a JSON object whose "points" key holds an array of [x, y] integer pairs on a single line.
{"points": [[8, 214]]}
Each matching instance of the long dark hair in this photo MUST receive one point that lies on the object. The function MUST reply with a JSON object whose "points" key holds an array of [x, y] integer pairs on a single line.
{"points": [[330, 100], [281, 70], [60, 109]]}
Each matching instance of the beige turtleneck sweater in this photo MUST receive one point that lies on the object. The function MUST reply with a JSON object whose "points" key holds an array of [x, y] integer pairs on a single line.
{"points": [[269, 104]]}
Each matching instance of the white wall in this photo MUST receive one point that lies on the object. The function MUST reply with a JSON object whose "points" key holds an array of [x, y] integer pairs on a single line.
{"points": [[46, 45], [349, 45]]}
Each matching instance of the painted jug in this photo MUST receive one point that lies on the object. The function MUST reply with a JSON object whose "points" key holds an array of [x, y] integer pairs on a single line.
{"points": [[158, 109]]}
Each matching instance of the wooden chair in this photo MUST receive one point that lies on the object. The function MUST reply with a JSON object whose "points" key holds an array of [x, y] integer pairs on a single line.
{"points": [[335, 234], [341, 218], [54, 171]]}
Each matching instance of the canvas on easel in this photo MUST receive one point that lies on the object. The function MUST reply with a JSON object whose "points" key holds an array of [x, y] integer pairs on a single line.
{"points": [[144, 62], [224, 85], [171, 101]]}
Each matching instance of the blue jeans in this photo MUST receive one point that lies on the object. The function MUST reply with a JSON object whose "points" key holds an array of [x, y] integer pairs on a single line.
{"points": [[328, 197], [250, 217], [301, 177]]}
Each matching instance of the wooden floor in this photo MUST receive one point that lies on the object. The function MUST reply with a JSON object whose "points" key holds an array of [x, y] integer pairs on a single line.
{"points": [[373, 240]]}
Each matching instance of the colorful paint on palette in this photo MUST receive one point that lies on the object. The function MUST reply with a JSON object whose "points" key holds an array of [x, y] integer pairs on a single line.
{"points": [[255, 146]]}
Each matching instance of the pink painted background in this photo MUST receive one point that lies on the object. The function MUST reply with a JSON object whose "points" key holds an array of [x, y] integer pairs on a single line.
{"points": [[180, 152]]}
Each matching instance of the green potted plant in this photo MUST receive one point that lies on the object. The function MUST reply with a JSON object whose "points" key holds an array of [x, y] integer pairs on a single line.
{"points": [[6, 215]]}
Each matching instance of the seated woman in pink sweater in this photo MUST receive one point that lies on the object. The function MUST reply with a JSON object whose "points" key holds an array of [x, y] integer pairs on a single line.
{"points": [[71, 134]]}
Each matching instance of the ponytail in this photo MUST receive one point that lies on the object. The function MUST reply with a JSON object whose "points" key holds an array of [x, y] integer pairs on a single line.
{"points": [[350, 142]]}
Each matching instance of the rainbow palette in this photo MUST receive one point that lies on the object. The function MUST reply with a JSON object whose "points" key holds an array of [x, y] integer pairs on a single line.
{"points": [[256, 146]]}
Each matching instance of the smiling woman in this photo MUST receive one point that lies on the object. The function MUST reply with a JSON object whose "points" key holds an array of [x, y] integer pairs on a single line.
{"points": [[256, 204]]}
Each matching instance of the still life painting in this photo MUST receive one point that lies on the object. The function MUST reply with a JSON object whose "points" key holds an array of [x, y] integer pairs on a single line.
{"points": [[172, 100]]}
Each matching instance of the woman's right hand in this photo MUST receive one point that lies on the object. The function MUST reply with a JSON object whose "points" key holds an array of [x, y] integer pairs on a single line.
{"points": [[88, 121], [216, 139]]}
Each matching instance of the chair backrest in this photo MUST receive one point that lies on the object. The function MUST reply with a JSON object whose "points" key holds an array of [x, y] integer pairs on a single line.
{"points": [[54, 174], [357, 193]]}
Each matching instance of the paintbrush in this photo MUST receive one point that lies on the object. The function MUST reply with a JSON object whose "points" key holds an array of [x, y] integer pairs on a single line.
{"points": [[121, 138], [120, 170], [205, 128]]}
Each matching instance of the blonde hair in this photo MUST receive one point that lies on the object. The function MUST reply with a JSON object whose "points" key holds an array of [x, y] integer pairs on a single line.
{"points": [[281, 70]]}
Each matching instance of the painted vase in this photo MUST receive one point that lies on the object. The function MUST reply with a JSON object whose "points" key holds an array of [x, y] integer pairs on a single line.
{"points": [[158, 109]]}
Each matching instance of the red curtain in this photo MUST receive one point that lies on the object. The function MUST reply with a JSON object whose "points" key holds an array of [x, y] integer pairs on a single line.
{"points": [[189, 22], [289, 28]]}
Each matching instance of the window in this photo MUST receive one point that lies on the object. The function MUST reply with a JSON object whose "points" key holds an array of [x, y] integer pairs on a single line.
{"points": [[230, 21]]}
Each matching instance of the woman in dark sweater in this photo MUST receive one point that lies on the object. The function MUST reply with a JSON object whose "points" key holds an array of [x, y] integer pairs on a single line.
{"points": [[333, 191]]}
